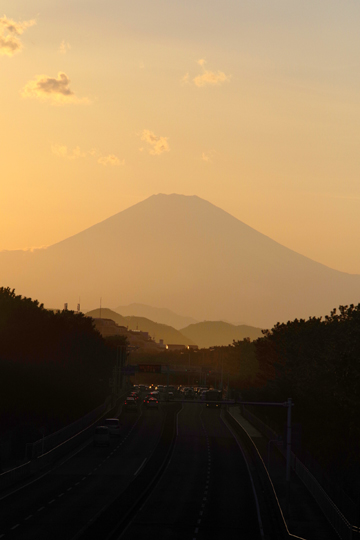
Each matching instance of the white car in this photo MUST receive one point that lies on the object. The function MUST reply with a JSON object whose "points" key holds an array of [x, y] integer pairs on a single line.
{"points": [[114, 426]]}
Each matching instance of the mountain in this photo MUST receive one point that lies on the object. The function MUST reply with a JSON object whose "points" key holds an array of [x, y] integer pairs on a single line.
{"points": [[156, 330], [160, 315], [215, 333], [183, 253]]}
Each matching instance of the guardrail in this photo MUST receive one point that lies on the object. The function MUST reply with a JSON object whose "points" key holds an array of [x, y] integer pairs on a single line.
{"points": [[42, 446], [59, 444], [279, 527], [344, 529]]}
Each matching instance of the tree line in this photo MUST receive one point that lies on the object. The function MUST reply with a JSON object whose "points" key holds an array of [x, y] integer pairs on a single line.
{"points": [[55, 366], [316, 362]]}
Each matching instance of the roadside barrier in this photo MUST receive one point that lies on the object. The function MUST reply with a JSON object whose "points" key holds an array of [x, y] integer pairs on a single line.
{"points": [[344, 529], [45, 452], [278, 524]]}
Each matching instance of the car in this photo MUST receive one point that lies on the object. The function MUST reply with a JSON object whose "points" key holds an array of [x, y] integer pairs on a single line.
{"points": [[130, 404], [101, 436], [170, 396], [114, 426], [135, 395], [151, 403], [156, 395]]}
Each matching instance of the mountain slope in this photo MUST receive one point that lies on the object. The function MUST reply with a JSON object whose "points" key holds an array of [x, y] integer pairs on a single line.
{"points": [[156, 330], [216, 333], [160, 315], [185, 254]]}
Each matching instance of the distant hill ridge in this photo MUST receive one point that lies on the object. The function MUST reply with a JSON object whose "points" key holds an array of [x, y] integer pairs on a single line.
{"points": [[159, 315], [159, 331], [204, 334]]}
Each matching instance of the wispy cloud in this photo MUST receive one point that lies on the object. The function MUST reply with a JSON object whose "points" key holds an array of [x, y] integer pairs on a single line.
{"points": [[208, 156], [64, 47], [207, 77], [110, 160], [54, 89], [66, 153], [63, 151], [158, 145], [10, 31], [185, 79]]}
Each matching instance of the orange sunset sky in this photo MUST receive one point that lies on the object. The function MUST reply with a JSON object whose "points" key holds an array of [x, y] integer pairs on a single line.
{"points": [[252, 105]]}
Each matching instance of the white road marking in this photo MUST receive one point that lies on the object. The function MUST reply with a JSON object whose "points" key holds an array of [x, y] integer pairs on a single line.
{"points": [[15, 526], [29, 517], [50, 502], [140, 467], [41, 508], [61, 494]]}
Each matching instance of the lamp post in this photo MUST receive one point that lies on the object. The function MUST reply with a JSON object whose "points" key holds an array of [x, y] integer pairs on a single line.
{"points": [[189, 368]]}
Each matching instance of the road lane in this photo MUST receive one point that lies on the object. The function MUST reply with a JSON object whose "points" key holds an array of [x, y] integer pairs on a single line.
{"points": [[205, 491], [231, 509], [65, 500]]}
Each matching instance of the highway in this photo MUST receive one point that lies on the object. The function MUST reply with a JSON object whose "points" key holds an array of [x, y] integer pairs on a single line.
{"points": [[64, 501], [204, 491]]}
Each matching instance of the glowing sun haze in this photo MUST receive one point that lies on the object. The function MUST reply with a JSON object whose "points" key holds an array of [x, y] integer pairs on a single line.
{"points": [[253, 106]]}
